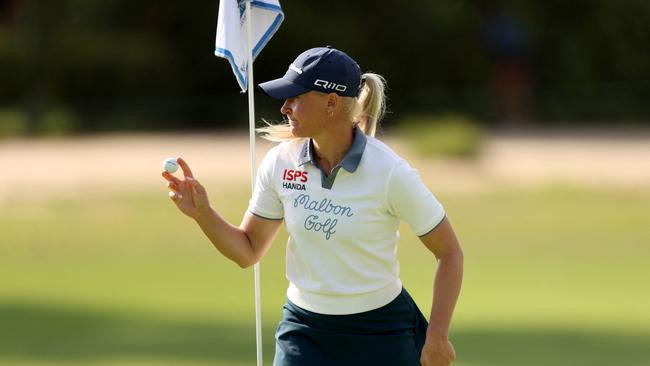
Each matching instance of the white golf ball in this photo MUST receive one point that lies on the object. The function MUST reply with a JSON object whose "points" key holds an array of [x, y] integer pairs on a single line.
{"points": [[170, 165]]}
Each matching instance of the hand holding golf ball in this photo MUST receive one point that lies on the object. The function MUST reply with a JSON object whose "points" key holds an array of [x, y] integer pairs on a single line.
{"points": [[170, 165], [187, 193]]}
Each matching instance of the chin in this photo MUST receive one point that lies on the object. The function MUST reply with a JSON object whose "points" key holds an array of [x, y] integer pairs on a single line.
{"points": [[297, 132]]}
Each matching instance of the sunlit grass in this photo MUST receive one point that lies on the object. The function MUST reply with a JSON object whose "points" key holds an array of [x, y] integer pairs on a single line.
{"points": [[125, 279]]}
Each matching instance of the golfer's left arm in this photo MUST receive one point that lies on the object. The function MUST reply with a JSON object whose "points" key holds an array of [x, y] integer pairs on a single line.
{"points": [[442, 242]]}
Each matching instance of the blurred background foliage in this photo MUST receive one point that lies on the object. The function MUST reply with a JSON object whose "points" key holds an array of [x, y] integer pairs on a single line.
{"points": [[83, 66]]}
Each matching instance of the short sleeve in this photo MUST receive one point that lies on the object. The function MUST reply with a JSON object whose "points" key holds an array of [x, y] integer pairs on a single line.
{"points": [[265, 201], [409, 199]]}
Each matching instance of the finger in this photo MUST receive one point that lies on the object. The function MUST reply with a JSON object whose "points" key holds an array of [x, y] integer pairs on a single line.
{"points": [[187, 172], [452, 352], [175, 186], [193, 188], [175, 196], [170, 178], [195, 185], [172, 187]]}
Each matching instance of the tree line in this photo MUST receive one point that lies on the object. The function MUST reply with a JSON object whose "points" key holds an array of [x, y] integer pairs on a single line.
{"points": [[118, 64]]}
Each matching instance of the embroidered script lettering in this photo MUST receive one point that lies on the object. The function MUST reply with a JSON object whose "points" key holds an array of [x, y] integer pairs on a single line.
{"points": [[327, 226], [325, 205], [318, 223]]}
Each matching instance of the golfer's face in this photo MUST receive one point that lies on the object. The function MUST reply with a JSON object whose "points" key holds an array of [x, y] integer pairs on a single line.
{"points": [[306, 113]]}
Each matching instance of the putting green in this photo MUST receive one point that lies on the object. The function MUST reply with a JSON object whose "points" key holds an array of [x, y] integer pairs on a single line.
{"points": [[554, 276]]}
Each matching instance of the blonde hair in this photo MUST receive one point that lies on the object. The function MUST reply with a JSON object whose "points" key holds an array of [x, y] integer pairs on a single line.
{"points": [[366, 110]]}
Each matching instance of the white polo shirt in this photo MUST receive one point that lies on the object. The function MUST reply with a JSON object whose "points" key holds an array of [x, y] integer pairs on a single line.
{"points": [[343, 229]]}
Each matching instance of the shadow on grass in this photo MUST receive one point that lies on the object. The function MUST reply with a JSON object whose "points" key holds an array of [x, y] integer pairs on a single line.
{"points": [[557, 347], [57, 333]]}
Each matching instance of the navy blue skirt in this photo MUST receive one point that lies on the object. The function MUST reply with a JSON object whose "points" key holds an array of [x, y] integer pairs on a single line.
{"points": [[391, 335]]}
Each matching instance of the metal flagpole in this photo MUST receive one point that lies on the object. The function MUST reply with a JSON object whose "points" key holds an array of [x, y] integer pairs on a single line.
{"points": [[251, 132]]}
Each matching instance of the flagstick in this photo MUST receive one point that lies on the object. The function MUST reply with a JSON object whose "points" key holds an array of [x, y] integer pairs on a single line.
{"points": [[251, 132]]}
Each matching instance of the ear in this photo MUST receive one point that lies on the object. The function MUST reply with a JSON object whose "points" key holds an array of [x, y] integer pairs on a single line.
{"points": [[333, 101]]}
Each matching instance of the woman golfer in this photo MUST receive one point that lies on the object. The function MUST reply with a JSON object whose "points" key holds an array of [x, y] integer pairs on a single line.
{"points": [[341, 194]]}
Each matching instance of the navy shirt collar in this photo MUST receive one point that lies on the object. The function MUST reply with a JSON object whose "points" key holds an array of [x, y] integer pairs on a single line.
{"points": [[351, 159]]}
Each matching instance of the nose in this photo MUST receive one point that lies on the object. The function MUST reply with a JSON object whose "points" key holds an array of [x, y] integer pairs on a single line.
{"points": [[286, 109]]}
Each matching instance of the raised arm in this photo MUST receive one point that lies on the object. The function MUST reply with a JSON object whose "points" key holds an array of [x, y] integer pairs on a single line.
{"points": [[244, 245]]}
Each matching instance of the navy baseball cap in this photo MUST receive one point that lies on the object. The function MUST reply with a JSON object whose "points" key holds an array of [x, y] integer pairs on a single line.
{"points": [[323, 69]]}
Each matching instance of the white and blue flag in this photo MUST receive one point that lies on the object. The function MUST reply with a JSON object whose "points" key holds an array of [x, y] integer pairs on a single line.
{"points": [[232, 41]]}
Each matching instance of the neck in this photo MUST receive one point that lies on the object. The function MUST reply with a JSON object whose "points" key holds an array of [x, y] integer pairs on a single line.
{"points": [[330, 148]]}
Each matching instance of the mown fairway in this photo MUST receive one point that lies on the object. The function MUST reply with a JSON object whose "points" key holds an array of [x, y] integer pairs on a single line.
{"points": [[555, 276]]}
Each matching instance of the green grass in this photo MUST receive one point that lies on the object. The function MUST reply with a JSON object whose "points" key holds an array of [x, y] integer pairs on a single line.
{"points": [[555, 276], [448, 135]]}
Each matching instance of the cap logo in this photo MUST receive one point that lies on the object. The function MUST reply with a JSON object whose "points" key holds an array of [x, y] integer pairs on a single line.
{"points": [[295, 68], [330, 85]]}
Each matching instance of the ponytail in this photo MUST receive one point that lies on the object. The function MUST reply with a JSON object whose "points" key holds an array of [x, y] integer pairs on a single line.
{"points": [[372, 100]]}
